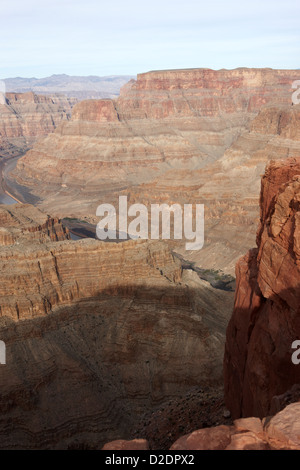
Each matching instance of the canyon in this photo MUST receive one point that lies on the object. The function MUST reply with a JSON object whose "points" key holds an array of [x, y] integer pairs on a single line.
{"points": [[97, 334], [121, 345], [181, 136], [261, 381], [26, 117]]}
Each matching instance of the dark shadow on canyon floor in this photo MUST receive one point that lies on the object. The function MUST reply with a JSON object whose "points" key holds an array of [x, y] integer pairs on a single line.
{"points": [[95, 370]]}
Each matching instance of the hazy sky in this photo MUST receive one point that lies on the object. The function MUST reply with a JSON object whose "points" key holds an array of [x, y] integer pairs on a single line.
{"points": [[99, 37]]}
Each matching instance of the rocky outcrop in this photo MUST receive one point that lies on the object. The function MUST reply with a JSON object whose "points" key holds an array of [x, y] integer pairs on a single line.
{"points": [[26, 224], [279, 432], [135, 444], [25, 117], [204, 92], [173, 136], [96, 333], [258, 355]]}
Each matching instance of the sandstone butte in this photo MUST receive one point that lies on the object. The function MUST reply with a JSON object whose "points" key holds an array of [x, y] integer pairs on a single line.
{"points": [[97, 334], [262, 388], [199, 135], [25, 117]]}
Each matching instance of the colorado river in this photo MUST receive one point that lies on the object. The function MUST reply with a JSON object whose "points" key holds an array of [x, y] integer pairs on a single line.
{"points": [[5, 199], [10, 191], [13, 193]]}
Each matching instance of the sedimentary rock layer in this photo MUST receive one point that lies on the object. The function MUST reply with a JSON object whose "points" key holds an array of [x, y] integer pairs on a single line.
{"points": [[97, 333], [27, 224], [258, 357], [173, 136], [184, 118], [26, 116]]}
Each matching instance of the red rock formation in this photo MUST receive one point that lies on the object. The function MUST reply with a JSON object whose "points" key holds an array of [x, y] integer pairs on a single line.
{"points": [[177, 117], [217, 438], [24, 223], [26, 117], [204, 91], [173, 136], [280, 432], [266, 321], [95, 110]]}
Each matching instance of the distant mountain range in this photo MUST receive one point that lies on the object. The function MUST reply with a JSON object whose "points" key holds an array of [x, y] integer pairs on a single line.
{"points": [[72, 86]]}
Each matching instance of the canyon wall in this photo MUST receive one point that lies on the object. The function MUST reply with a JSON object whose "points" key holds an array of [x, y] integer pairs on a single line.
{"points": [[25, 117], [262, 382], [96, 334], [230, 186], [199, 136], [183, 118], [258, 365], [25, 224]]}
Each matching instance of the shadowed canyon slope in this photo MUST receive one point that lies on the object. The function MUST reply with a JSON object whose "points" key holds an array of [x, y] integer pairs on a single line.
{"points": [[96, 333], [25, 117], [197, 135], [258, 358], [262, 382]]}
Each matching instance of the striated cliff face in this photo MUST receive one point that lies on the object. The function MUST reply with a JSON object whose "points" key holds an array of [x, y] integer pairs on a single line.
{"points": [[173, 136], [258, 354], [183, 119], [96, 333], [261, 382], [26, 224], [26, 116], [204, 92], [230, 186]]}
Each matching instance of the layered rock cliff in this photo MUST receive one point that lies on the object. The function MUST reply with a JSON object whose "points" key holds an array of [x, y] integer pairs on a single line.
{"points": [[183, 119], [25, 117], [173, 136], [262, 382], [26, 224], [258, 363], [96, 333]]}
